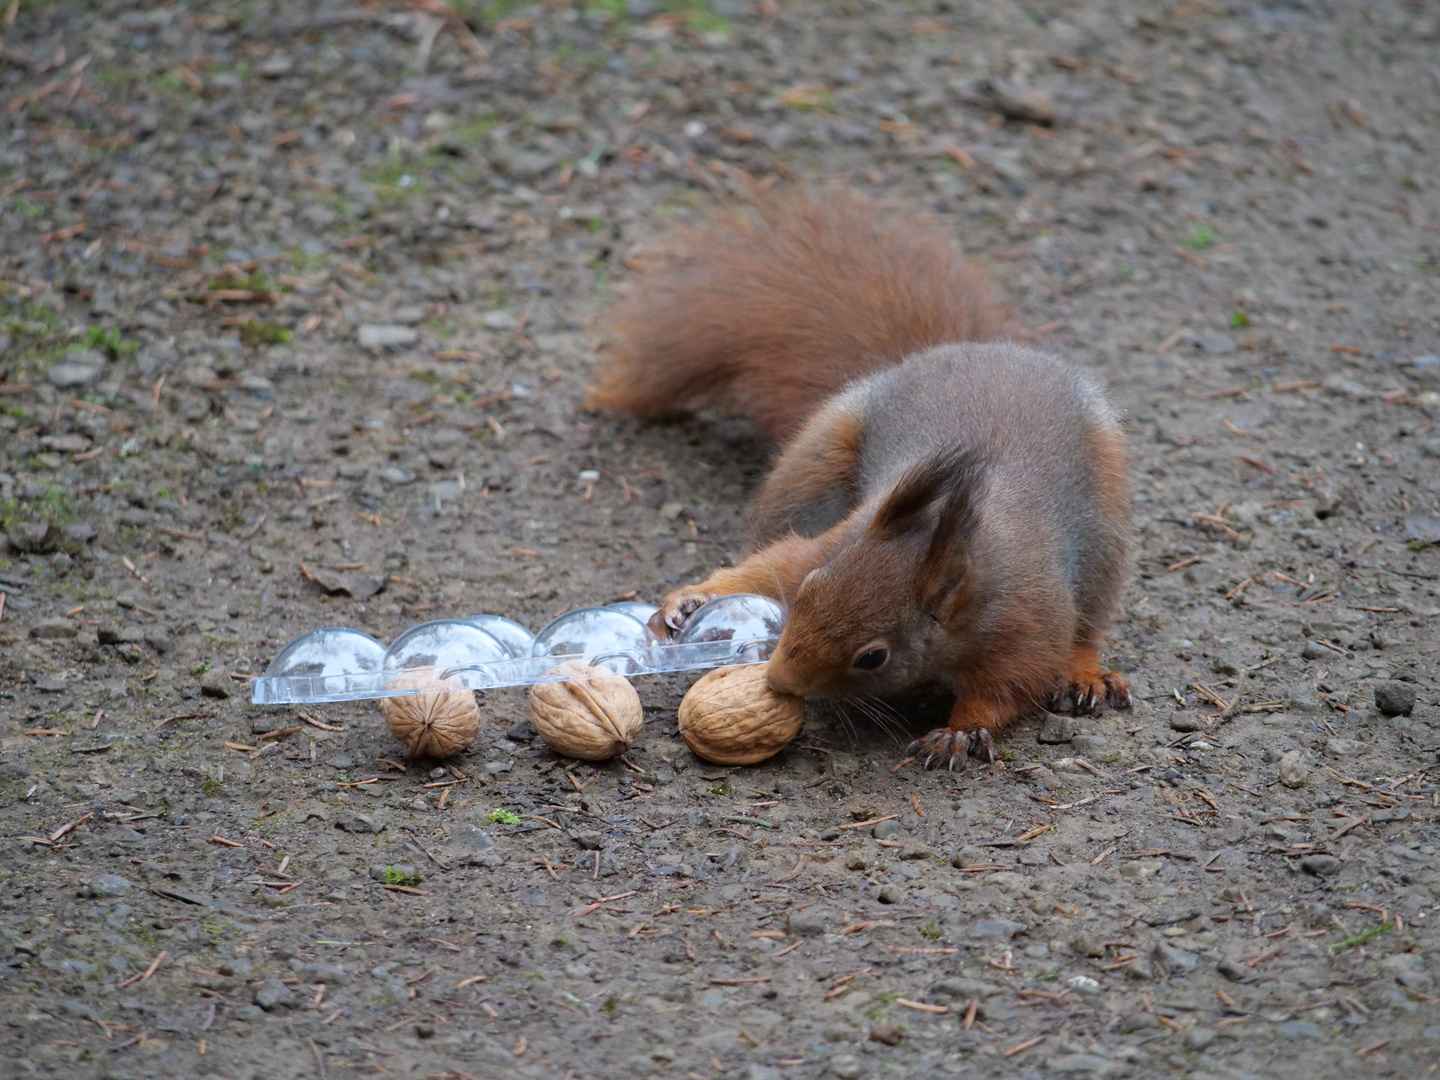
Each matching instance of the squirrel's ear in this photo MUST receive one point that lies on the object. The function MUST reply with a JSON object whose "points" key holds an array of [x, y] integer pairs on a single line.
{"points": [[944, 578], [936, 499], [945, 480]]}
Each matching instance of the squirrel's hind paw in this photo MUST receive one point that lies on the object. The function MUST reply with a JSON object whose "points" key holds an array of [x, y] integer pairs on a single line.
{"points": [[953, 749], [1088, 690], [1117, 690]]}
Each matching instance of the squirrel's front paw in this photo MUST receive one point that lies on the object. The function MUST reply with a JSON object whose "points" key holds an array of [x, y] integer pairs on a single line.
{"points": [[675, 611], [953, 749]]}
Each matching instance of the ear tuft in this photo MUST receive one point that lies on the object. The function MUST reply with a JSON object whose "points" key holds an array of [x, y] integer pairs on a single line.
{"points": [[939, 500], [946, 481]]}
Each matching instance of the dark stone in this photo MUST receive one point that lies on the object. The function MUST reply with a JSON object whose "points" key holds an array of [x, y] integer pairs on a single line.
{"points": [[887, 1032], [1320, 865], [273, 994], [1175, 961], [1086, 943], [110, 885], [1058, 729], [53, 629], [469, 840], [994, 1010], [812, 922], [1234, 970], [352, 821], [963, 989], [996, 928], [329, 974], [970, 855], [1395, 698]]}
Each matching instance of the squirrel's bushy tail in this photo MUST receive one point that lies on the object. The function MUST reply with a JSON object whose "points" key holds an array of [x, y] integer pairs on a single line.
{"points": [[770, 310]]}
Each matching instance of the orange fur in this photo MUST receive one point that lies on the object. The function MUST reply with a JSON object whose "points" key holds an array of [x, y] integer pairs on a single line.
{"points": [[1087, 685], [976, 714], [960, 511], [810, 485], [773, 310]]}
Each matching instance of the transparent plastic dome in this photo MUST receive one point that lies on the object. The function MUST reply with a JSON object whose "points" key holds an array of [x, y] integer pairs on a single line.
{"points": [[445, 643], [508, 632], [637, 608], [590, 631], [741, 617], [333, 651], [337, 664]]}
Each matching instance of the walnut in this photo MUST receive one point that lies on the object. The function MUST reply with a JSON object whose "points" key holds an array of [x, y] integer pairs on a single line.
{"points": [[434, 724], [732, 717], [592, 719]]}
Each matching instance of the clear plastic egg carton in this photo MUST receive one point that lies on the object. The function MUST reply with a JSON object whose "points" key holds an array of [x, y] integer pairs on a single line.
{"points": [[487, 652]]}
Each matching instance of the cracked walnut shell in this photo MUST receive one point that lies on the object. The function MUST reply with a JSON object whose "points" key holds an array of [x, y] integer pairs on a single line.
{"points": [[435, 724], [732, 717], [591, 719]]}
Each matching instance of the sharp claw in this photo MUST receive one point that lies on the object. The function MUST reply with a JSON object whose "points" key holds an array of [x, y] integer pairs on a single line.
{"points": [[952, 750], [987, 744]]}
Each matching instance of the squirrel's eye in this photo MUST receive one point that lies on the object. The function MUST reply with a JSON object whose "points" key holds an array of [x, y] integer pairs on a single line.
{"points": [[871, 660]]}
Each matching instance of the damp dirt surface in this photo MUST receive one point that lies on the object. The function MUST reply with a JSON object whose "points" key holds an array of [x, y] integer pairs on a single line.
{"points": [[297, 304]]}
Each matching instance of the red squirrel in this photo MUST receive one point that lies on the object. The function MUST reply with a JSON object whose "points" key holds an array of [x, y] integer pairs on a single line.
{"points": [[945, 505]]}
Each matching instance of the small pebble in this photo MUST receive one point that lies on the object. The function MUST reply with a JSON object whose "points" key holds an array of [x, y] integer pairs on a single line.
{"points": [[1393, 698], [378, 336], [110, 885], [216, 684], [273, 994], [886, 1032], [887, 829], [1233, 970], [1057, 730], [54, 629], [1294, 769], [1320, 865], [1199, 1038]]}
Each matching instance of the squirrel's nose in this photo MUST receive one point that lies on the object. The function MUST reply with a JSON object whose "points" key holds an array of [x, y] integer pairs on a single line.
{"points": [[778, 675]]}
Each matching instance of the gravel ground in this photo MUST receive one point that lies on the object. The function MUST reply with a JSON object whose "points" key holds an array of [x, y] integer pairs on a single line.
{"points": [[295, 304]]}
